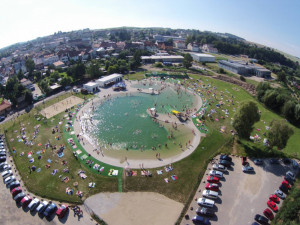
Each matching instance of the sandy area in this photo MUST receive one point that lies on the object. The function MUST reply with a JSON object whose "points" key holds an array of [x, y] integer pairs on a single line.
{"points": [[136, 163], [135, 208], [61, 106]]}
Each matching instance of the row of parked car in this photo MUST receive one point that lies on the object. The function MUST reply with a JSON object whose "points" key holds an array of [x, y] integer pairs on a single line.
{"points": [[44, 208], [211, 193], [284, 188]]}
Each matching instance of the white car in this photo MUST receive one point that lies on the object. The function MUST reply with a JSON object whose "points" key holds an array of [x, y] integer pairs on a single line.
{"points": [[42, 206], [210, 194], [219, 167], [216, 173], [33, 204], [6, 173], [6, 167], [206, 202], [3, 164], [10, 179]]}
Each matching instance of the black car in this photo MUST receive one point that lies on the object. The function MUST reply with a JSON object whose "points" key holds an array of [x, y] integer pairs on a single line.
{"points": [[283, 188], [205, 211], [258, 161], [261, 219], [225, 163], [19, 196], [286, 161], [2, 158], [14, 185], [226, 157], [289, 179], [50, 210], [274, 161]]}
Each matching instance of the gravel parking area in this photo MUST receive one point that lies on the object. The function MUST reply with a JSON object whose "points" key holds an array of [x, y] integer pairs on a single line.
{"points": [[242, 195]]}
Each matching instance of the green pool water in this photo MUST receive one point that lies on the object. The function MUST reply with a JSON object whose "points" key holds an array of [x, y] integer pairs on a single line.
{"points": [[123, 123]]}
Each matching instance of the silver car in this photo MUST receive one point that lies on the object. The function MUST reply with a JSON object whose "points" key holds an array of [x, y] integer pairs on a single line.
{"points": [[10, 179], [219, 167], [216, 173], [6, 173]]}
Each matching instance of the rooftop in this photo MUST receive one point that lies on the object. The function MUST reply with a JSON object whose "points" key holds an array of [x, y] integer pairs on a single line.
{"points": [[203, 55], [109, 77]]}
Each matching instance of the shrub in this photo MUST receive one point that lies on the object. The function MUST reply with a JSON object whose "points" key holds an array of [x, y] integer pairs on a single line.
{"points": [[242, 78]]}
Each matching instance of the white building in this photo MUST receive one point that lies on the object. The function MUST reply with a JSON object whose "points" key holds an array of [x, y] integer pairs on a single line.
{"points": [[209, 48], [179, 44], [162, 58], [50, 59], [91, 87], [203, 57], [110, 79], [193, 47]]}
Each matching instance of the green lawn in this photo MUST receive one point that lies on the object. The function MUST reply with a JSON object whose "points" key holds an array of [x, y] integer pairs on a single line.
{"points": [[43, 183]]}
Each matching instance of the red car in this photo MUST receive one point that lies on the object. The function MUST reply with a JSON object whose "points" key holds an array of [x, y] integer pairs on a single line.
{"points": [[16, 191], [62, 211], [244, 160], [286, 184], [268, 213], [274, 198], [212, 179], [272, 205], [213, 187], [25, 201]]}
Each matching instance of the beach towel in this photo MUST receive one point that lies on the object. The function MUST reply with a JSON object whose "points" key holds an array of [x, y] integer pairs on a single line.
{"points": [[78, 152], [83, 176], [174, 177], [110, 172], [83, 157], [49, 160], [159, 172], [134, 173], [167, 180], [54, 172], [74, 146], [101, 169], [96, 166], [60, 155], [92, 185], [115, 172]]}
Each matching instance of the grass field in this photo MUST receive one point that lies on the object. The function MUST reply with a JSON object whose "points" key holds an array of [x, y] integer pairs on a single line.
{"points": [[43, 183]]}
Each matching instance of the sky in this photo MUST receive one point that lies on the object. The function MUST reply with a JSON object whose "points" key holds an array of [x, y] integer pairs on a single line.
{"points": [[274, 23]]}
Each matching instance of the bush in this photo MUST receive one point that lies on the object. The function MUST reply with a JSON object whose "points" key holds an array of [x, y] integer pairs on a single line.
{"points": [[158, 65], [242, 78], [221, 70]]}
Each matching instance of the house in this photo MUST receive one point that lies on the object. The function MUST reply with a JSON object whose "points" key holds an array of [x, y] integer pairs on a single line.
{"points": [[150, 46], [179, 44], [50, 59], [5, 107], [209, 48], [91, 87], [27, 84], [109, 80], [74, 55], [59, 64], [193, 47], [120, 45], [203, 57], [165, 46]]}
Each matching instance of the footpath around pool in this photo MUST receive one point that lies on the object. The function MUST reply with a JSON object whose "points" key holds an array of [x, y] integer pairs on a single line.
{"points": [[103, 168]]}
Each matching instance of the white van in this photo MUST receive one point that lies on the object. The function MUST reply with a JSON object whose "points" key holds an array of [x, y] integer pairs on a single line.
{"points": [[206, 202], [210, 194]]}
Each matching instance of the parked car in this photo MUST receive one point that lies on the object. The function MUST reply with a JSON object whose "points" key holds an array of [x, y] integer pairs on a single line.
{"points": [[280, 194], [226, 157], [295, 164], [216, 173], [213, 187], [25, 201], [206, 202], [258, 161], [3, 164], [62, 211], [6, 167], [283, 188], [291, 175], [210, 194], [51, 208], [261, 219], [19, 197], [272, 205], [13, 185], [248, 169], [200, 220], [33, 204], [219, 167], [286, 161], [16, 191], [205, 211], [6, 173], [42, 206], [285, 183], [2, 118], [268, 213], [244, 160], [225, 163], [2, 159], [10, 179], [274, 161], [289, 180], [212, 179], [274, 198]]}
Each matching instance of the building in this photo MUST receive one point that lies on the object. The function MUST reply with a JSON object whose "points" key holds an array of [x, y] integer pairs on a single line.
{"points": [[50, 59], [245, 69], [162, 58], [58, 64], [179, 44], [203, 57], [209, 48], [5, 107], [161, 38], [27, 84], [109, 80], [91, 87], [193, 47]]}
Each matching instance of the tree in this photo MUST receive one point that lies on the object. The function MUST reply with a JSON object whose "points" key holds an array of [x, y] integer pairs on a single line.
{"points": [[245, 118], [270, 98], [28, 96], [281, 76], [30, 65], [20, 75], [94, 70], [187, 60], [65, 81], [288, 110], [297, 112], [279, 133]]}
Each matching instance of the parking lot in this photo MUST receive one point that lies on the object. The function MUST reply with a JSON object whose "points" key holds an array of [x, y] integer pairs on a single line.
{"points": [[242, 195]]}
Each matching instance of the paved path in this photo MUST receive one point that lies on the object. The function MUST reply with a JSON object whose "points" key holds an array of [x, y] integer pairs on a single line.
{"points": [[135, 163]]}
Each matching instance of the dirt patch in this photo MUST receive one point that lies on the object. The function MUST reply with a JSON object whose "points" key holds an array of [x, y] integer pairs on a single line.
{"points": [[135, 208], [61, 106]]}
